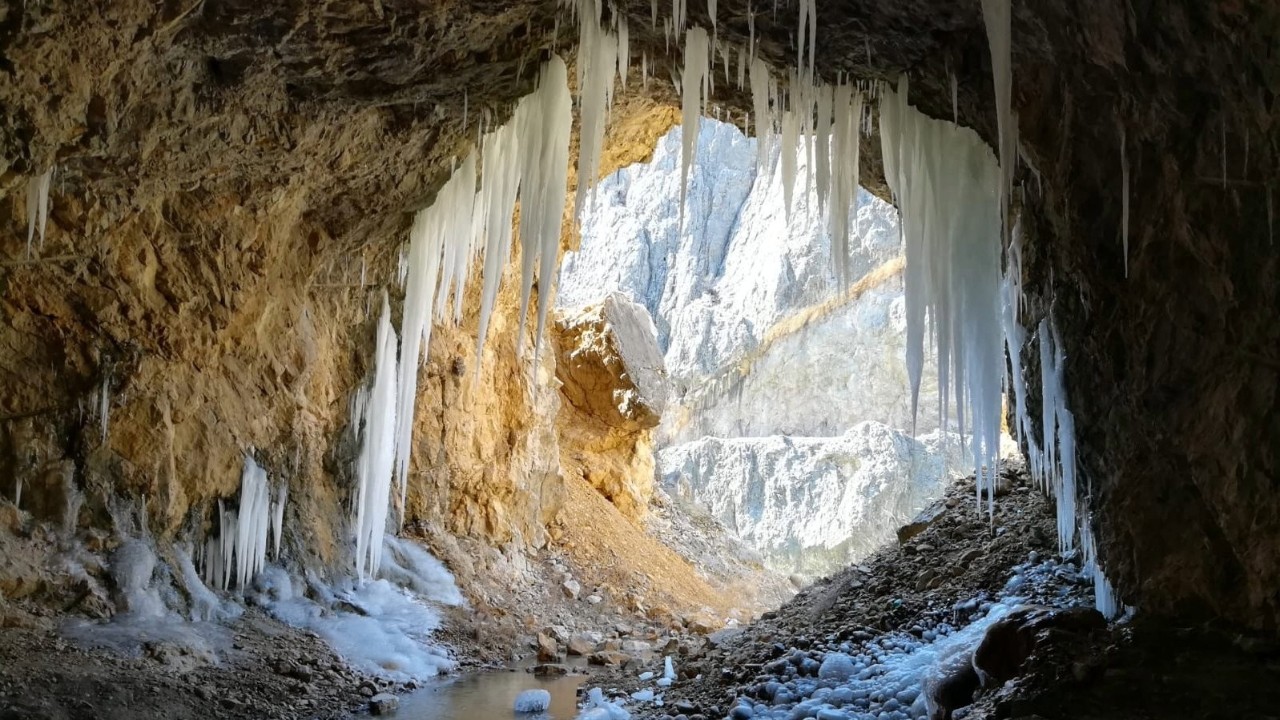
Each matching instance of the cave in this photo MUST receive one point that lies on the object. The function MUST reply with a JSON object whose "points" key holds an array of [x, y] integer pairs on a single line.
{"points": [[223, 220]]}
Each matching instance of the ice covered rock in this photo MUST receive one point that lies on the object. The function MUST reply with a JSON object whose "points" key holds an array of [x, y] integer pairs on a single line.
{"points": [[383, 704], [533, 701]]}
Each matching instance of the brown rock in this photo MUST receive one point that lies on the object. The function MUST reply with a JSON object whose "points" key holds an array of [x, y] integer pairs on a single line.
{"points": [[611, 658], [548, 650], [921, 522], [581, 645]]}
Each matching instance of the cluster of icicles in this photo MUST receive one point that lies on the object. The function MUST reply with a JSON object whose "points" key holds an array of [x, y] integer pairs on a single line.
{"points": [[951, 190], [240, 550]]}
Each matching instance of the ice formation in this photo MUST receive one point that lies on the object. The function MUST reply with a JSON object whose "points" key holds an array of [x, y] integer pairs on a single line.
{"points": [[532, 701], [845, 147], [375, 626], [528, 157], [38, 206], [104, 407], [694, 92], [762, 91], [250, 538], [545, 171], [806, 33], [240, 550], [1051, 457], [599, 58], [374, 416], [948, 187], [597, 708]]}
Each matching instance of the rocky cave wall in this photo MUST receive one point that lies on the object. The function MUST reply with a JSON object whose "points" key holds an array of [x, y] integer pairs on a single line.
{"points": [[222, 167]]}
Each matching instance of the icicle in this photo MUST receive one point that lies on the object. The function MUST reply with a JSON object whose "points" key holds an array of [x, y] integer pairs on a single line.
{"points": [[374, 413], [426, 244], [17, 493], [277, 518], [997, 17], [597, 60], [846, 148], [760, 84], [711, 10], [624, 50], [542, 197], [249, 526], [788, 152], [947, 184], [104, 407], [1104, 597], [653, 14], [1124, 201], [806, 34], [38, 206], [456, 259], [822, 150], [694, 86]]}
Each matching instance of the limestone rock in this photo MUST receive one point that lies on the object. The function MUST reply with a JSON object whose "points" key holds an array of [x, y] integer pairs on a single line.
{"points": [[608, 658], [581, 645], [572, 588]]}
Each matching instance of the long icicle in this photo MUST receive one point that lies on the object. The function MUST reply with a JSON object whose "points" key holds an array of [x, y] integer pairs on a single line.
{"points": [[694, 82]]}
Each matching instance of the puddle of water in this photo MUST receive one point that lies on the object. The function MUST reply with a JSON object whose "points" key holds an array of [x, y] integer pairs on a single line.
{"points": [[489, 695]]}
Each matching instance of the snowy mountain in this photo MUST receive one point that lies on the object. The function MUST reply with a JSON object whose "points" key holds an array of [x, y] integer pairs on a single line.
{"points": [[736, 268], [791, 397], [811, 505], [757, 336]]}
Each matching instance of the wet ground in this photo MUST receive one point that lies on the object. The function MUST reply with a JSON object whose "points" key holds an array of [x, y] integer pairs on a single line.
{"points": [[490, 694]]}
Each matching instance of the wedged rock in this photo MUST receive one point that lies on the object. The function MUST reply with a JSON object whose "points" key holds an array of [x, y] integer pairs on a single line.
{"points": [[610, 364], [921, 522], [614, 386]]}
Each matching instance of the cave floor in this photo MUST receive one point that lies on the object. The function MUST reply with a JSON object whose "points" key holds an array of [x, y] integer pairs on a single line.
{"points": [[271, 670], [1138, 669]]}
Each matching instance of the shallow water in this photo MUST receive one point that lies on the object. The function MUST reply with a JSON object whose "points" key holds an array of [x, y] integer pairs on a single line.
{"points": [[490, 695]]}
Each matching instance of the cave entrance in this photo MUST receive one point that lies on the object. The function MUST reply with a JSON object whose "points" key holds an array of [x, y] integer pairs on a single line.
{"points": [[790, 413]]}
